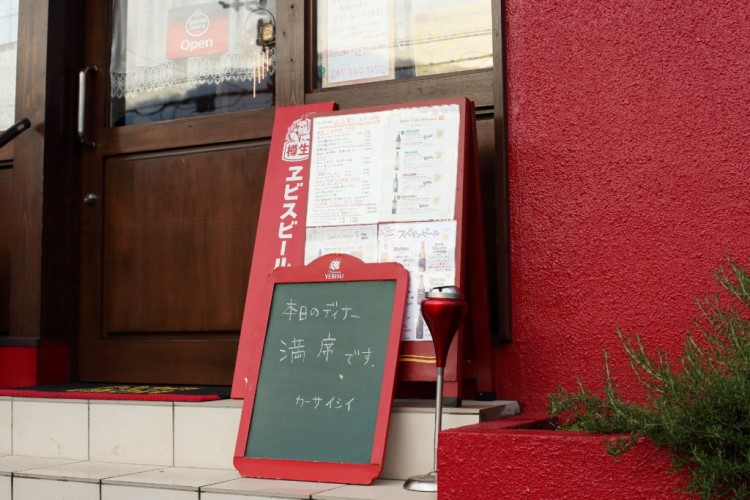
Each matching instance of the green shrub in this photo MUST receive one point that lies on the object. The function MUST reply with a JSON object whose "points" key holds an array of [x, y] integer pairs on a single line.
{"points": [[698, 407]]}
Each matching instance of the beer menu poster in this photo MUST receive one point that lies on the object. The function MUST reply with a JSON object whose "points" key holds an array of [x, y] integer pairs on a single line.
{"points": [[383, 188], [397, 165]]}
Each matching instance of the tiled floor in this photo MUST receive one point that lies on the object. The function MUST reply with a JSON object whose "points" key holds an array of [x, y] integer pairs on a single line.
{"points": [[59, 479], [105, 450]]}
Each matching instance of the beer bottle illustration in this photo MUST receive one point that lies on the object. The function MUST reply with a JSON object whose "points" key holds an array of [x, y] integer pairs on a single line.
{"points": [[396, 166], [395, 183], [422, 261], [394, 205], [420, 298]]}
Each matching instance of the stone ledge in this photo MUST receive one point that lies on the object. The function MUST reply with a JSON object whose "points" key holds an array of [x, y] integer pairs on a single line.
{"points": [[516, 462]]}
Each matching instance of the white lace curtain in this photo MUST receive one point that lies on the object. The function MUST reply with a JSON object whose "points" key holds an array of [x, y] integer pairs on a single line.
{"points": [[139, 48]]}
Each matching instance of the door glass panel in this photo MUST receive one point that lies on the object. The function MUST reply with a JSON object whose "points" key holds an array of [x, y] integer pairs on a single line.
{"points": [[361, 41], [183, 58], [8, 44]]}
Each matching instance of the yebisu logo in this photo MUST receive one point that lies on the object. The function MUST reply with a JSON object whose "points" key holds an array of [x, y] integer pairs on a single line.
{"points": [[334, 270], [197, 24]]}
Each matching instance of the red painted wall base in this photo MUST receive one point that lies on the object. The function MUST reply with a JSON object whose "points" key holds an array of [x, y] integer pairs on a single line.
{"points": [[23, 366], [491, 461], [18, 366]]}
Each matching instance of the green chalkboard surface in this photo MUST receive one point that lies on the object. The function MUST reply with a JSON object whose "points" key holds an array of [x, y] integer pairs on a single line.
{"points": [[319, 385], [325, 372]]}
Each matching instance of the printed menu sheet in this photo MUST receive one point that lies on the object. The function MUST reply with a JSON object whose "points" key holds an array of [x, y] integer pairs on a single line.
{"points": [[398, 165], [383, 189], [428, 251], [358, 241], [345, 169]]}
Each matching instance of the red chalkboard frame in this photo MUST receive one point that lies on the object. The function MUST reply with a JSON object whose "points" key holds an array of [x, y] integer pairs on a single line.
{"points": [[347, 268]]}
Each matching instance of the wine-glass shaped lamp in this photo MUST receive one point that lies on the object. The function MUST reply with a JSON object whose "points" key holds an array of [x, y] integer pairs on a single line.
{"points": [[443, 309]]}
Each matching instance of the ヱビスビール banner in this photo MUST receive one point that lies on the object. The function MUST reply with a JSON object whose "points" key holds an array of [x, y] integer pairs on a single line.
{"points": [[280, 240]]}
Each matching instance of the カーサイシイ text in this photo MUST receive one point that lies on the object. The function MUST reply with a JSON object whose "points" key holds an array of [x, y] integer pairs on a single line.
{"points": [[330, 403]]}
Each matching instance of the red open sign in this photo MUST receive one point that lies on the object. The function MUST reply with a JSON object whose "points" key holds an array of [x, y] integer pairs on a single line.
{"points": [[197, 30]]}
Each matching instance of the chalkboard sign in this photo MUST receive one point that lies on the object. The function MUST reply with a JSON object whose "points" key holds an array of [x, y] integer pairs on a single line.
{"points": [[322, 371]]}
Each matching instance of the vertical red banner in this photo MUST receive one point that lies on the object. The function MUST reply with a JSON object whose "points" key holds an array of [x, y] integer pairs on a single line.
{"points": [[280, 237]]}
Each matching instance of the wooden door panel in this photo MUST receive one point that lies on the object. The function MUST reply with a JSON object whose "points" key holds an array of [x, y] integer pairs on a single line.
{"points": [[5, 201], [178, 230], [164, 362], [167, 236], [178, 238]]}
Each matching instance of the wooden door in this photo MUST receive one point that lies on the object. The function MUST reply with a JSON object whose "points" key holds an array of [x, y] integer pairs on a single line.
{"points": [[169, 206]]}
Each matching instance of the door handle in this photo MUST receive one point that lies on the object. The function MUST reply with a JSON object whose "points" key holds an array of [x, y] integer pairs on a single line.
{"points": [[82, 87]]}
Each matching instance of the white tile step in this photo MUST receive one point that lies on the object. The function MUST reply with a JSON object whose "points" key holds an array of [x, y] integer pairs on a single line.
{"points": [[81, 449], [59, 479]]}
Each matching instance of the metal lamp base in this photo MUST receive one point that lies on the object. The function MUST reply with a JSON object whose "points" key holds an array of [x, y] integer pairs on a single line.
{"points": [[425, 482]]}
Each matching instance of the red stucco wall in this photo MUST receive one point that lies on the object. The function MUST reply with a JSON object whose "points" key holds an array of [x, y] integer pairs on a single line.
{"points": [[629, 177]]}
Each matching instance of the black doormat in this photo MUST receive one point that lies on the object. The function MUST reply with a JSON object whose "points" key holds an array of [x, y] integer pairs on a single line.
{"points": [[133, 392]]}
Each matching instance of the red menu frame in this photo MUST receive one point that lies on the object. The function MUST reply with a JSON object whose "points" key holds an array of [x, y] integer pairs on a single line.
{"points": [[417, 359]]}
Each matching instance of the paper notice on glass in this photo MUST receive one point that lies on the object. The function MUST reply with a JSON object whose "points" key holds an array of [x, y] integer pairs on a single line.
{"points": [[428, 251], [357, 38], [452, 45], [346, 163], [8, 22], [358, 241], [423, 145]]}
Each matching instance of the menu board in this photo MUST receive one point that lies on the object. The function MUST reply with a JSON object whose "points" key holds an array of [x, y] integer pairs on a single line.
{"points": [[383, 188], [396, 183]]}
